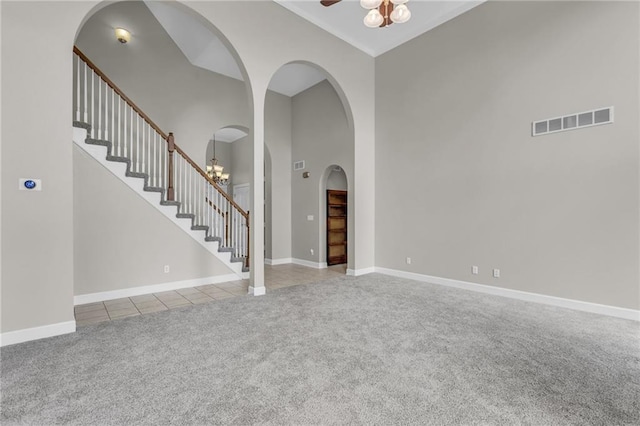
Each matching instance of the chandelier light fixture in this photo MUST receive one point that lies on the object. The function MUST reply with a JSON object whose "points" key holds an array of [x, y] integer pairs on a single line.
{"points": [[214, 171], [383, 13]]}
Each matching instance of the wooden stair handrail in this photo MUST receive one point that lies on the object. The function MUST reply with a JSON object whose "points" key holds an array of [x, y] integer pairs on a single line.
{"points": [[119, 92], [155, 127]]}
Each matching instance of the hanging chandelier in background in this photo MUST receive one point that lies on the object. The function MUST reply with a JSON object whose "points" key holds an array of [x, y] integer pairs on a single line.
{"points": [[215, 170], [383, 13]]}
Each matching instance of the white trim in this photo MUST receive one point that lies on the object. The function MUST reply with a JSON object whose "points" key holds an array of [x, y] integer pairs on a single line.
{"points": [[257, 291], [148, 289], [308, 263], [274, 262], [98, 152], [35, 333], [613, 311], [358, 272]]}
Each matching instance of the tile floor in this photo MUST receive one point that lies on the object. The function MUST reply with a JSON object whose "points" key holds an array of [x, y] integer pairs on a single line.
{"points": [[275, 277]]}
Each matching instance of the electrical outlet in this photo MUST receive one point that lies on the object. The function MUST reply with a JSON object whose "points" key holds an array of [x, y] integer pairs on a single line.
{"points": [[166, 269], [312, 252], [496, 273], [474, 270], [408, 261]]}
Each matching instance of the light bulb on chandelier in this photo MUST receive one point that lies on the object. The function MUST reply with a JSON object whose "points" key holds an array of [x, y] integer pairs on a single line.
{"points": [[383, 13]]}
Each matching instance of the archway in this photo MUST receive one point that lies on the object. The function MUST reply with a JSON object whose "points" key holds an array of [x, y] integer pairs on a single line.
{"points": [[233, 151], [321, 134], [149, 70], [334, 214]]}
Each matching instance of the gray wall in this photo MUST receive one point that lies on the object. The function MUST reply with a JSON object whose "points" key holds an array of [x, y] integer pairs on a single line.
{"points": [[241, 162], [117, 248], [558, 214], [37, 227], [321, 137], [278, 128]]}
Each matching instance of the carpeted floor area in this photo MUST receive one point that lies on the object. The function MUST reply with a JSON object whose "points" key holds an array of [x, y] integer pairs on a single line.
{"points": [[366, 350]]}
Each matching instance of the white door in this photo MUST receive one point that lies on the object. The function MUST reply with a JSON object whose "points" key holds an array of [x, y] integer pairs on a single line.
{"points": [[241, 196]]}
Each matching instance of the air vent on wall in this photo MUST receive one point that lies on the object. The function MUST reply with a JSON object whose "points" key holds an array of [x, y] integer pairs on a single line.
{"points": [[578, 120], [298, 165]]}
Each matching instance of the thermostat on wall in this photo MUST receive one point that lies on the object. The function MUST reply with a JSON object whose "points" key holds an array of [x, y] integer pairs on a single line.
{"points": [[28, 184]]}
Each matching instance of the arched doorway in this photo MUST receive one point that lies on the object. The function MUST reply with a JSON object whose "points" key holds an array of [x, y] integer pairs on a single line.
{"points": [[149, 72], [321, 134], [334, 203], [233, 151]]}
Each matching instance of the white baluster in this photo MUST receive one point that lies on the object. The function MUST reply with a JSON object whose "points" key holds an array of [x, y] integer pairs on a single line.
{"points": [[143, 141], [188, 190], [163, 164], [113, 116], [119, 128], [85, 104], [152, 161], [210, 215], [93, 107], [183, 185], [77, 86], [99, 128]]}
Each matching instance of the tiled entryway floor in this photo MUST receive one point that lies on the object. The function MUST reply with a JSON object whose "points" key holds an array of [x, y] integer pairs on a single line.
{"points": [[275, 277]]}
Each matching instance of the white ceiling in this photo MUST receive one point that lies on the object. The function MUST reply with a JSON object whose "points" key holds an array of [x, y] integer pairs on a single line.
{"points": [[229, 135], [292, 79], [345, 20]]}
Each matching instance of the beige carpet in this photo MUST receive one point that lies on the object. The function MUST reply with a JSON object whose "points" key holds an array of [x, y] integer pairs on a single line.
{"points": [[366, 350]]}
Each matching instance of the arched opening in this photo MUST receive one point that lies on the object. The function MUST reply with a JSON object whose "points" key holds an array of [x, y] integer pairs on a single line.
{"points": [[230, 148], [162, 86], [233, 152], [334, 214], [321, 123]]}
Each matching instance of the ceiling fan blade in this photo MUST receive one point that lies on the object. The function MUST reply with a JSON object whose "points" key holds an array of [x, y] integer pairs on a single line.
{"points": [[327, 3]]}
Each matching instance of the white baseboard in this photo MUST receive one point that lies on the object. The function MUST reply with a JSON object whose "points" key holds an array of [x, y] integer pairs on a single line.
{"points": [[147, 289], [308, 263], [35, 333], [358, 272], [578, 305], [257, 291], [274, 262]]}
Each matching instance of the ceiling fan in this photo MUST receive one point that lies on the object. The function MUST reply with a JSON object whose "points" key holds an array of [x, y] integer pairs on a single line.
{"points": [[382, 13]]}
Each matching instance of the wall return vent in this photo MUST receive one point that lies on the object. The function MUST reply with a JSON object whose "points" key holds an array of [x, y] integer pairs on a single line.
{"points": [[298, 165], [575, 121]]}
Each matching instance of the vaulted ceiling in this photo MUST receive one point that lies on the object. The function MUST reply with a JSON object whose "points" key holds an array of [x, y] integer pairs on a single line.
{"points": [[344, 20]]}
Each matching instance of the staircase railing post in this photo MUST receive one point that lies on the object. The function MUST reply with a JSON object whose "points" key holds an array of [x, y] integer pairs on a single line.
{"points": [[171, 146], [248, 239]]}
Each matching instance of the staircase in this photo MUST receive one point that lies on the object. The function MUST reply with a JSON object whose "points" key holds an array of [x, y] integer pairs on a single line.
{"points": [[113, 121]]}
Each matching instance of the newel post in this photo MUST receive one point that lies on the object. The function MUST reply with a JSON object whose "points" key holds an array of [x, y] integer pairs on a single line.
{"points": [[171, 145], [248, 240]]}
